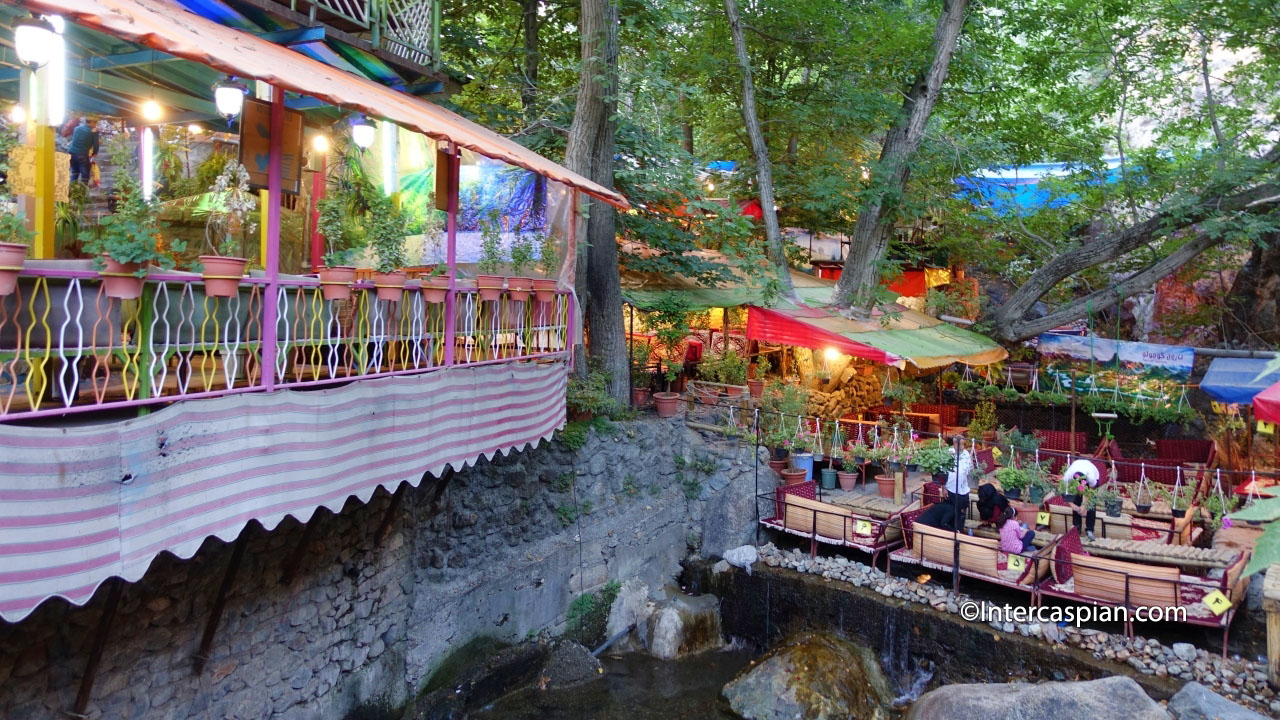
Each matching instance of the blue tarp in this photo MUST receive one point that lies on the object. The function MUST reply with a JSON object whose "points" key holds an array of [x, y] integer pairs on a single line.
{"points": [[1232, 380]]}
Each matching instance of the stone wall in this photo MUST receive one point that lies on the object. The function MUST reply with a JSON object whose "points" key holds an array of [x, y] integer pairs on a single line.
{"points": [[499, 550]]}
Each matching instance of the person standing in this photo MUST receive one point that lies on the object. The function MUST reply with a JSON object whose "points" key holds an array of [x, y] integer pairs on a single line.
{"points": [[1083, 471], [84, 144]]}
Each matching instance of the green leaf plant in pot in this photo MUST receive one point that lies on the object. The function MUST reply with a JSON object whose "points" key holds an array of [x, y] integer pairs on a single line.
{"points": [[520, 257], [935, 458], [127, 241], [492, 256], [1012, 480], [544, 288], [387, 229], [1039, 486], [760, 368], [224, 229], [15, 238]]}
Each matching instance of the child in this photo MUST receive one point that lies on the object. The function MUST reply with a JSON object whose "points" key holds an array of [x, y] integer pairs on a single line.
{"points": [[1014, 536]]}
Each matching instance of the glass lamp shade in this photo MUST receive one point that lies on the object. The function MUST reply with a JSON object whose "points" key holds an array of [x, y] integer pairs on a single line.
{"points": [[229, 99], [34, 41], [363, 134]]}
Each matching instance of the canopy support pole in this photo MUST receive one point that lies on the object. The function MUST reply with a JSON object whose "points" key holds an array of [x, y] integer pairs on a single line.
{"points": [[99, 644], [220, 602], [451, 169], [271, 260], [318, 187]]}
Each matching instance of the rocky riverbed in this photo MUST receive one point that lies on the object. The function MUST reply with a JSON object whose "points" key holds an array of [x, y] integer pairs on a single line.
{"points": [[1241, 680]]}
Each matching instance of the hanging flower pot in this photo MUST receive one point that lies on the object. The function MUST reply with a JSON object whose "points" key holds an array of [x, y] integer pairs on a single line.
{"points": [[1114, 507], [666, 403], [544, 291], [940, 478], [335, 282], [12, 255], [848, 479], [1143, 508], [390, 285], [1013, 493], [780, 453], [490, 286], [913, 467], [222, 275], [120, 279], [435, 288], [1035, 494], [519, 288], [1179, 512]]}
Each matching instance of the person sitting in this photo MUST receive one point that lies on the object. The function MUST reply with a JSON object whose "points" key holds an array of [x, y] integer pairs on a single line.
{"points": [[991, 505], [1014, 536], [941, 515], [1083, 472]]}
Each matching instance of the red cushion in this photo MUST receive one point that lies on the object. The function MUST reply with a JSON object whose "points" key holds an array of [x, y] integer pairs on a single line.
{"points": [[931, 493], [1070, 543], [909, 521]]}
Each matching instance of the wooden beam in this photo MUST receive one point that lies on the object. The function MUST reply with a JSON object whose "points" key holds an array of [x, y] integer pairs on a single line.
{"points": [[295, 558], [220, 602], [114, 586]]}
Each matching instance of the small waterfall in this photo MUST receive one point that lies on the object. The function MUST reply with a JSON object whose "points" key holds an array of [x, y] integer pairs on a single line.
{"points": [[908, 675]]}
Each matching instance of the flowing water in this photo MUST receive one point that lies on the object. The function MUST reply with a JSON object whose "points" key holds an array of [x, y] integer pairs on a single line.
{"points": [[908, 675], [634, 687]]}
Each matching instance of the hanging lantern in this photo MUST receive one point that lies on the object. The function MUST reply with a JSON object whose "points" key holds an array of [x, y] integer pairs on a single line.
{"points": [[228, 96], [34, 41], [362, 132], [151, 111]]}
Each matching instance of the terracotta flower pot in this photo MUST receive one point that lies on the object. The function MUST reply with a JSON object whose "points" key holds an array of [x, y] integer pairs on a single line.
{"points": [[120, 281], [666, 403], [435, 288], [544, 291], [490, 286], [884, 485], [793, 476], [778, 465], [12, 255], [847, 479], [755, 387], [518, 288], [335, 282], [733, 391], [640, 396], [390, 285], [222, 275]]}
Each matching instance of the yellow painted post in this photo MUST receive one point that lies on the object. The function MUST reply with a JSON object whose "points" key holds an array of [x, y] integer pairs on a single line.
{"points": [[1271, 604], [45, 181], [264, 202]]}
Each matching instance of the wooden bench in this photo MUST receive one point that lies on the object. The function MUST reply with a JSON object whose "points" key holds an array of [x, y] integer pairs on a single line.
{"points": [[980, 557]]}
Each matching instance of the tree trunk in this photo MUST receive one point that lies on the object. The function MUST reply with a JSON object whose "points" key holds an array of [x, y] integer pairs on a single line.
{"points": [[873, 229], [1253, 307], [529, 78], [686, 123], [590, 151], [764, 171]]}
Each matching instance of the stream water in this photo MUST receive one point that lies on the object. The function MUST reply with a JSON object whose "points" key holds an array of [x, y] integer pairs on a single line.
{"points": [[634, 687]]}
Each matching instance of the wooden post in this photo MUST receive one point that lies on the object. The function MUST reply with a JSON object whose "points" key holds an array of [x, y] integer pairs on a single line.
{"points": [[1271, 604], [43, 248], [1072, 441], [220, 602], [99, 644], [725, 339], [899, 486]]}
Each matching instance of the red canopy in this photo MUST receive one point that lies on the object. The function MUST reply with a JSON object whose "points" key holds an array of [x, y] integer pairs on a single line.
{"points": [[910, 283], [1266, 404], [774, 327]]}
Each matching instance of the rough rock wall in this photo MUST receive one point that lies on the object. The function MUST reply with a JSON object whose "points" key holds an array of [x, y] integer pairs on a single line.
{"points": [[499, 550]]}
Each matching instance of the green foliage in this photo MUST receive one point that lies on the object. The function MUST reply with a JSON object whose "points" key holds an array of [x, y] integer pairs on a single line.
{"points": [[491, 252], [1012, 478], [574, 434], [522, 246], [905, 392], [669, 318], [984, 418], [730, 369], [131, 234], [934, 457], [588, 614], [591, 394], [562, 482], [231, 219], [567, 513], [548, 255], [387, 228]]}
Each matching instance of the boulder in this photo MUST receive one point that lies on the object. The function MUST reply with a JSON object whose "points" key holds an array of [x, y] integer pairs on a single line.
{"points": [[685, 624], [1113, 698], [630, 608], [812, 676], [568, 665], [1197, 702]]}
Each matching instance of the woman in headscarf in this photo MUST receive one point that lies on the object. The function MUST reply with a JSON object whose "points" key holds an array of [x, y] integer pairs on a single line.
{"points": [[991, 504]]}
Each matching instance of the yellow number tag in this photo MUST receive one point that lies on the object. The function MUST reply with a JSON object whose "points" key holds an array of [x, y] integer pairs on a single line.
{"points": [[1042, 518], [1017, 562], [1217, 602], [1266, 428], [863, 527]]}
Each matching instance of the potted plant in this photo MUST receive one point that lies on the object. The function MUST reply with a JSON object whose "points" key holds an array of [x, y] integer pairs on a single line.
{"points": [[387, 229], [801, 452], [755, 384], [1012, 480], [1142, 497], [1179, 499], [1071, 490], [949, 379], [1110, 499], [936, 459], [521, 256], [14, 239], [222, 271], [858, 452], [910, 459], [491, 258], [343, 239], [733, 372], [14, 235], [544, 289], [1039, 486], [905, 393], [128, 240], [983, 423]]}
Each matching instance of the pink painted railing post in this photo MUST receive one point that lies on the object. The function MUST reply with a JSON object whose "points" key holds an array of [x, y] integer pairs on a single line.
{"points": [[451, 242], [272, 261]]}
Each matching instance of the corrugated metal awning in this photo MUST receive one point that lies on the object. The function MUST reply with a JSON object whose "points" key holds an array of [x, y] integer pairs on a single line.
{"points": [[169, 27]]}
